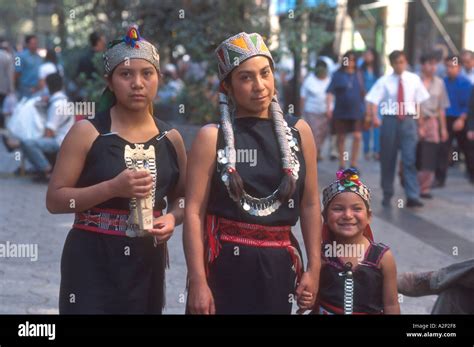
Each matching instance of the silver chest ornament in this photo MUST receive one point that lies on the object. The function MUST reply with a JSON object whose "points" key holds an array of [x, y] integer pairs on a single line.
{"points": [[141, 210], [265, 206]]}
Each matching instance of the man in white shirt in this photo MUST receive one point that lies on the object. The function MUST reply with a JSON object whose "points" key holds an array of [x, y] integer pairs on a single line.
{"points": [[58, 123], [399, 95]]}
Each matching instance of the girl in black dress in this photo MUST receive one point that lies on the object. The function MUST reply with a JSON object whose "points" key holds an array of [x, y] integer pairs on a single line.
{"points": [[358, 276], [251, 177], [104, 268]]}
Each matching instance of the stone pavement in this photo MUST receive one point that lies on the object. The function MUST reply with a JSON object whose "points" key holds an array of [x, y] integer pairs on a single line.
{"points": [[430, 238]]}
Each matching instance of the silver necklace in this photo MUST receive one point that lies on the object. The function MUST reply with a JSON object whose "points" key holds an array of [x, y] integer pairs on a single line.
{"points": [[271, 203]]}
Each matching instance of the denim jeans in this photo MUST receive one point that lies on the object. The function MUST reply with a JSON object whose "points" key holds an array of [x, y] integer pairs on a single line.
{"points": [[34, 151], [373, 133]]}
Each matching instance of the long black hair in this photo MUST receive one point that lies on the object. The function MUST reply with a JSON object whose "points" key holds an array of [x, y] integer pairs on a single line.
{"points": [[375, 63]]}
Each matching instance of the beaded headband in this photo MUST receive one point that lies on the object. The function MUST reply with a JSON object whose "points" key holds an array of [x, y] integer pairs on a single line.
{"points": [[238, 48], [347, 181], [131, 46]]}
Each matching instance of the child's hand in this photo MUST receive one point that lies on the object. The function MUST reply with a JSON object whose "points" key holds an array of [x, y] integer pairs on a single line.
{"points": [[306, 292], [163, 228]]}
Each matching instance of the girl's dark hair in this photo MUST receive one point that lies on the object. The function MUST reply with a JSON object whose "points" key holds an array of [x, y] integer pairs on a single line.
{"points": [[375, 63], [51, 56], [346, 56]]}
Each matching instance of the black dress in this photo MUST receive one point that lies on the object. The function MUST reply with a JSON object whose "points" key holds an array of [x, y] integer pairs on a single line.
{"points": [[246, 279], [368, 282], [109, 274]]}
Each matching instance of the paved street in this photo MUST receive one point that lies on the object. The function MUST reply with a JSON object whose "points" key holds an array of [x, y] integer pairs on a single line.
{"points": [[436, 236]]}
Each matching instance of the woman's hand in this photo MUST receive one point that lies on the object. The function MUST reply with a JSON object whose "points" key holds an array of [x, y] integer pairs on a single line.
{"points": [[131, 184], [458, 124], [163, 228], [444, 135], [306, 292], [200, 299]]}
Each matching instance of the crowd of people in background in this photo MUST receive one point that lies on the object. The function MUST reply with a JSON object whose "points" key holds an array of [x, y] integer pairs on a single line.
{"points": [[427, 115], [417, 114]]}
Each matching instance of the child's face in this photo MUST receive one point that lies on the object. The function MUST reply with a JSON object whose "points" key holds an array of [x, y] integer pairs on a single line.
{"points": [[347, 215]]}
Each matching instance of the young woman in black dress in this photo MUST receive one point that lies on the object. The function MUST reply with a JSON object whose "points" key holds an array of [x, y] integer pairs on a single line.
{"points": [[250, 178], [103, 269]]}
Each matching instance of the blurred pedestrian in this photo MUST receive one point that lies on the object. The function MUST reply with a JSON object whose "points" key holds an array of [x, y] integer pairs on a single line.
{"points": [[370, 69], [313, 103], [27, 68], [459, 91], [49, 66], [58, 123], [399, 95], [347, 87], [467, 60], [88, 69], [470, 119], [6, 77], [168, 93], [87, 64], [434, 124]]}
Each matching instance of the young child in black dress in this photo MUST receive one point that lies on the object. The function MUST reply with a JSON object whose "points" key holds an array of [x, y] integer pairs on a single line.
{"points": [[358, 276]]}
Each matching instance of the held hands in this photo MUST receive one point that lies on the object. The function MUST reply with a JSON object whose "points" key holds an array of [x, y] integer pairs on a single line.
{"points": [[376, 122], [444, 135], [458, 124], [306, 292], [470, 135], [131, 184], [421, 132]]}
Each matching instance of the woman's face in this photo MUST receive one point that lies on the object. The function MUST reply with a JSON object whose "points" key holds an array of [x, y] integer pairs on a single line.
{"points": [[134, 83], [368, 57], [252, 87], [347, 215]]}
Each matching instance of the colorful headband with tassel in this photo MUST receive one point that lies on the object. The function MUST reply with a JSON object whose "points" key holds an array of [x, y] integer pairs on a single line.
{"points": [[346, 181], [131, 46]]}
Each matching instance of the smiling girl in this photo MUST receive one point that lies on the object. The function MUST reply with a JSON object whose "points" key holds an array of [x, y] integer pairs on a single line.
{"points": [[358, 276], [109, 265]]}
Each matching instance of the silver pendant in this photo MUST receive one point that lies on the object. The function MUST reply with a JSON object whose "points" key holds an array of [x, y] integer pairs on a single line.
{"points": [[223, 160]]}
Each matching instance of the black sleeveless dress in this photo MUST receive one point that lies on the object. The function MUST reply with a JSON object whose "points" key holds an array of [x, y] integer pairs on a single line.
{"points": [[368, 282], [109, 274], [256, 280]]}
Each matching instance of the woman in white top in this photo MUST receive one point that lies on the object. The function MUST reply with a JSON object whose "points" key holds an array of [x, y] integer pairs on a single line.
{"points": [[49, 67], [313, 102]]}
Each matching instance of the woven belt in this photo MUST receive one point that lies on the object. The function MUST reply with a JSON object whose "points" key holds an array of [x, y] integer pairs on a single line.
{"points": [[105, 221], [255, 235]]}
